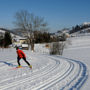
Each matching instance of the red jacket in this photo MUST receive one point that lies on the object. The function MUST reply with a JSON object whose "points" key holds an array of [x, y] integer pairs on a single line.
{"points": [[20, 53]]}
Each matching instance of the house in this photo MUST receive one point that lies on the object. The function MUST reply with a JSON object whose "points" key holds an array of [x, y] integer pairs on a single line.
{"points": [[25, 47], [21, 42]]}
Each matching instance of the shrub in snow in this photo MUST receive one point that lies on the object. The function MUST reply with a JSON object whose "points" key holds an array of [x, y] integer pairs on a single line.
{"points": [[57, 48]]}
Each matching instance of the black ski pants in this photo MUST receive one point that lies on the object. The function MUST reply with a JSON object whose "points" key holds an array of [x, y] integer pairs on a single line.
{"points": [[18, 61]]}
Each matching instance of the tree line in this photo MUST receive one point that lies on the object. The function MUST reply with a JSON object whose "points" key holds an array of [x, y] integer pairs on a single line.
{"points": [[78, 28]]}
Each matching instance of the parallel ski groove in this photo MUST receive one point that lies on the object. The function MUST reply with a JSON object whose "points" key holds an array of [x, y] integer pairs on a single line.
{"points": [[55, 75]]}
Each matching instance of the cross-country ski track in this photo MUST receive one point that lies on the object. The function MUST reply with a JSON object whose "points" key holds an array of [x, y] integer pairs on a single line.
{"points": [[48, 73]]}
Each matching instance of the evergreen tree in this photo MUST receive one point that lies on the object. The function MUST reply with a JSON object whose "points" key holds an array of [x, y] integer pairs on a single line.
{"points": [[7, 39]]}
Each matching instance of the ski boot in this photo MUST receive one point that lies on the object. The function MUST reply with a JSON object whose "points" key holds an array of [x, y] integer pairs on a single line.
{"points": [[30, 66], [19, 66]]}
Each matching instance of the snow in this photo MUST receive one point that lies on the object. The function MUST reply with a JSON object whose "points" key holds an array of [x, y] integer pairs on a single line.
{"points": [[50, 72], [80, 50]]}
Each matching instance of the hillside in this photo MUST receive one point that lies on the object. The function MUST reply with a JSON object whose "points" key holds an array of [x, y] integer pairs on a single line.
{"points": [[3, 30], [83, 28]]}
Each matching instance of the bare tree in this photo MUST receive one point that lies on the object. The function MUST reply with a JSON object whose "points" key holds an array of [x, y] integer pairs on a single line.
{"points": [[57, 48], [28, 23]]}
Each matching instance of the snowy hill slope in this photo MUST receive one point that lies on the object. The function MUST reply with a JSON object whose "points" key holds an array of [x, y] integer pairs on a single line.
{"points": [[82, 32], [48, 73]]}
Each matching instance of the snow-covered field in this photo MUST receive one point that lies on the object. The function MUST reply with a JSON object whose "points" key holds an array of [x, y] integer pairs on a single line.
{"points": [[67, 72]]}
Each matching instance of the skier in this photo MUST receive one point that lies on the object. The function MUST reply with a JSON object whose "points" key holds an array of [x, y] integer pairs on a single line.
{"points": [[21, 55]]}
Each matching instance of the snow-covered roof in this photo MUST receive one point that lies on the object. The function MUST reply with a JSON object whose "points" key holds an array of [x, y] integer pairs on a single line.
{"points": [[24, 45], [86, 23], [1, 31]]}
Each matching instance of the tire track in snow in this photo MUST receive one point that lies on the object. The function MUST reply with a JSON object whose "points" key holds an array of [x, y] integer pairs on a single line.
{"points": [[79, 79], [34, 74], [42, 75], [9, 71], [57, 79], [81, 72], [53, 82], [43, 80]]}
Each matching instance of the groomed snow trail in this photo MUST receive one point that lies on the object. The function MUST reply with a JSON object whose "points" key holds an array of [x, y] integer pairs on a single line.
{"points": [[48, 73]]}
